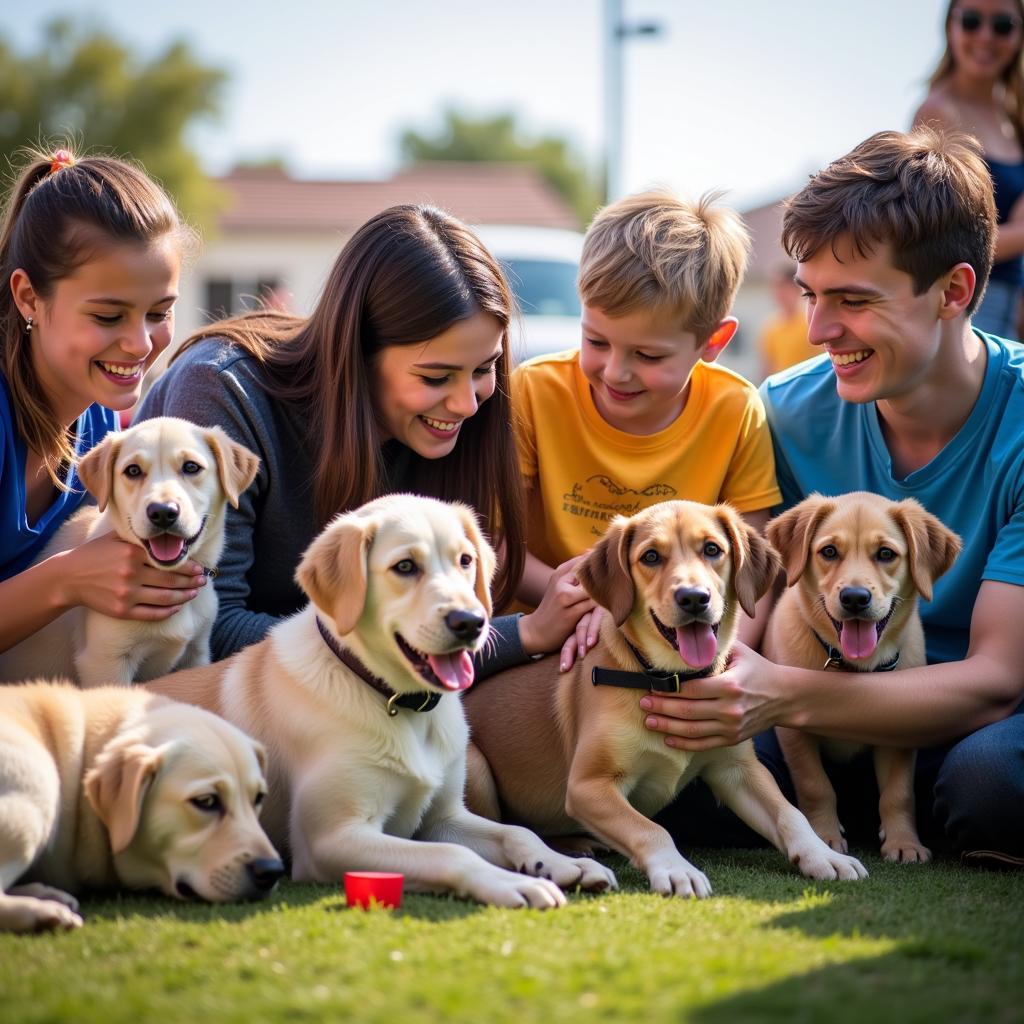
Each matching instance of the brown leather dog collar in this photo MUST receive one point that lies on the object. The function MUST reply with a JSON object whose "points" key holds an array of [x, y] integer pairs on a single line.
{"points": [[649, 678], [424, 701]]}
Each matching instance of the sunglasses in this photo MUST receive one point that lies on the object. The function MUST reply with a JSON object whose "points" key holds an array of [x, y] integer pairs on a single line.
{"points": [[1001, 24]]}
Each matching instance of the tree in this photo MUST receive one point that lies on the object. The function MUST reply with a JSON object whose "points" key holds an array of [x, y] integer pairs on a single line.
{"points": [[85, 84], [500, 139]]}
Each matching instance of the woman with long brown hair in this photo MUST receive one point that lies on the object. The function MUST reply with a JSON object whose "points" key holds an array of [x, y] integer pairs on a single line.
{"points": [[397, 381], [978, 87]]}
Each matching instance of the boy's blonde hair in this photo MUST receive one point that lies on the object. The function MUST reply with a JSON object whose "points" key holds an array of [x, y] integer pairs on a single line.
{"points": [[657, 252]]}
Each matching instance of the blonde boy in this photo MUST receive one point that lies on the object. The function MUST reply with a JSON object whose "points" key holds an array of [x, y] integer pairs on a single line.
{"points": [[639, 413]]}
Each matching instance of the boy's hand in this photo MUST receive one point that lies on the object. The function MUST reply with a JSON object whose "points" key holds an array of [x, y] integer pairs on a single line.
{"points": [[564, 603]]}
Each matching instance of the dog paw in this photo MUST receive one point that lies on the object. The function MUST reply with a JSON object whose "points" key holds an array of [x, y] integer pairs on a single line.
{"points": [[906, 850], [516, 891], [38, 891], [595, 877], [678, 878], [28, 914], [828, 865], [831, 833]]}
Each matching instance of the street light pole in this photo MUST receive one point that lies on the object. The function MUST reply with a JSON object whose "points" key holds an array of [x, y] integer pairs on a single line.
{"points": [[616, 31]]}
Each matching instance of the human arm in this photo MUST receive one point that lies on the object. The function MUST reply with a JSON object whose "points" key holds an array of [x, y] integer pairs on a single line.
{"points": [[107, 574], [931, 705]]}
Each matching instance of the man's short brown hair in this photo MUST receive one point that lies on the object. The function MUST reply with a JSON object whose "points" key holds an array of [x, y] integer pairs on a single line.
{"points": [[656, 252], [927, 194]]}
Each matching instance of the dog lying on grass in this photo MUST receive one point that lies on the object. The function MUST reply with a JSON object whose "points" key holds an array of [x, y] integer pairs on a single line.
{"points": [[569, 753], [357, 700], [114, 787], [855, 566]]}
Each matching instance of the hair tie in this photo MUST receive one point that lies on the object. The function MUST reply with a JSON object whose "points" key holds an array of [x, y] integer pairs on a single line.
{"points": [[62, 158]]}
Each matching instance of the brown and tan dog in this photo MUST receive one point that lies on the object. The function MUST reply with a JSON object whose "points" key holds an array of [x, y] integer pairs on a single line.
{"points": [[116, 787], [855, 566], [566, 754]]}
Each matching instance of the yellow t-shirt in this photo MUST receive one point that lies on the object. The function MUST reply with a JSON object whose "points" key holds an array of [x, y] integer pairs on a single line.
{"points": [[586, 472], [783, 342]]}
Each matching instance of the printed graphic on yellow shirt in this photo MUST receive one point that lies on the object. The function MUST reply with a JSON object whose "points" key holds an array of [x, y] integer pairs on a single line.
{"points": [[602, 498]]}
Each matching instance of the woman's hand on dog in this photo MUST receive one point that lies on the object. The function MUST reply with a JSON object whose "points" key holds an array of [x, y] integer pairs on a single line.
{"points": [[722, 710], [111, 576], [558, 621]]}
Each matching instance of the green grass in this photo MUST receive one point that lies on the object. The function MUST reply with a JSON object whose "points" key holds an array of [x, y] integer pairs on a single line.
{"points": [[930, 943]]}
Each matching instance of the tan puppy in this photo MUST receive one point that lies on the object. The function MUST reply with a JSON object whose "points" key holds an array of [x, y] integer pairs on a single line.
{"points": [[855, 566], [162, 485], [118, 787], [357, 700], [570, 753]]}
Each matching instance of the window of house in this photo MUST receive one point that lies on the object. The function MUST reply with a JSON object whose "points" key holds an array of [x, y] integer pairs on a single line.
{"points": [[230, 296]]}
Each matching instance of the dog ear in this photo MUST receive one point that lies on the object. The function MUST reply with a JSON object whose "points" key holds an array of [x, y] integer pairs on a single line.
{"points": [[261, 756], [117, 785], [486, 560], [236, 465], [932, 546], [605, 574], [96, 468], [792, 533], [333, 571], [755, 563]]}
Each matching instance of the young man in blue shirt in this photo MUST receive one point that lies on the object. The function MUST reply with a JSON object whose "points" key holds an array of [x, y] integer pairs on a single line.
{"points": [[893, 244]]}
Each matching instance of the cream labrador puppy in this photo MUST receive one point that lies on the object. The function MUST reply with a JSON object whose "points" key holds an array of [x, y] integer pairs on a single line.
{"points": [[162, 485], [118, 787], [357, 700]]}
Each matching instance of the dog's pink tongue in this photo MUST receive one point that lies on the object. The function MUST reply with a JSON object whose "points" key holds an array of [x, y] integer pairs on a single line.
{"points": [[454, 670], [698, 644], [166, 546], [858, 638]]}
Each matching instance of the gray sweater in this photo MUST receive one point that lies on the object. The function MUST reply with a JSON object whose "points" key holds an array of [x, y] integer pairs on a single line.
{"points": [[215, 383]]}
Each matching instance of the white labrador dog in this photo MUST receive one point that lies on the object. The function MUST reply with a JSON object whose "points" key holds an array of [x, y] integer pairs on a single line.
{"points": [[162, 485], [118, 787], [357, 701]]}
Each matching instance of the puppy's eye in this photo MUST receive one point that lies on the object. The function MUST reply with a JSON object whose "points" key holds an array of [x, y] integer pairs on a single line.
{"points": [[650, 557], [209, 802], [712, 550], [406, 567], [829, 552], [133, 471], [190, 468], [885, 554], [466, 561]]}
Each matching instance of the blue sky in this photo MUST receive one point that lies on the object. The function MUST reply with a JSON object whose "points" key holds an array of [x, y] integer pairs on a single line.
{"points": [[744, 95]]}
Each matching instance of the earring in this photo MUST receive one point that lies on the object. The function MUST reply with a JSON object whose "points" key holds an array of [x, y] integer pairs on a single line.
{"points": [[28, 325]]}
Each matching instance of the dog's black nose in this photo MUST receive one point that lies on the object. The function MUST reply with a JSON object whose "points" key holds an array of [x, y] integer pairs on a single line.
{"points": [[264, 872], [465, 625], [693, 599], [162, 513], [855, 599]]}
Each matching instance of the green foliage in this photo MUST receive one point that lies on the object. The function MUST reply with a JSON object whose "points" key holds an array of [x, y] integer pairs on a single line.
{"points": [[500, 139], [84, 84], [912, 943]]}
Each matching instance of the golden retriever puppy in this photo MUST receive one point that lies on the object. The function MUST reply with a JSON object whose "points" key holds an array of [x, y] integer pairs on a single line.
{"points": [[569, 753], [855, 566], [161, 485], [118, 787], [357, 701]]}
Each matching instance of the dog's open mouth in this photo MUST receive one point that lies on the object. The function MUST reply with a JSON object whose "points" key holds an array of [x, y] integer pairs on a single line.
{"points": [[696, 642], [858, 638], [169, 549], [452, 671]]}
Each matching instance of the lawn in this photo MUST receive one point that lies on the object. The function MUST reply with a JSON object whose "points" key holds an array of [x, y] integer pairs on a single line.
{"points": [[912, 943]]}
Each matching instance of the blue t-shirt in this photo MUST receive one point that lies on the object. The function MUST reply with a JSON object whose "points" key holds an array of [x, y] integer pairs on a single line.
{"points": [[20, 541], [975, 485]]}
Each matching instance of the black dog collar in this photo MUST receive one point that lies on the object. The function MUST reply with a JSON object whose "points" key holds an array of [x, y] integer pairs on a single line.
{"points": [[425, 701], [835, 659], [650, 678]]}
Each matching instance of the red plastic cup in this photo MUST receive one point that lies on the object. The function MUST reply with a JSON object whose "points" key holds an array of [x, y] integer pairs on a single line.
{"points": [[373, 888]]}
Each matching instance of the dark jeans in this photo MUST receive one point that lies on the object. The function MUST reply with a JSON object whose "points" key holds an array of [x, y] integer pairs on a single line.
{"points": [[970, 796]]}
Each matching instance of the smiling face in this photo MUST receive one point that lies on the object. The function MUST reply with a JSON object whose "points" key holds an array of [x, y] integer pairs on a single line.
{"points": [[979, 42], [103, 326], [424, 392], [883, 340], [638, 367]]}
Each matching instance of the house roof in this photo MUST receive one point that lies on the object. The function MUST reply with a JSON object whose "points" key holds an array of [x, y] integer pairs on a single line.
{"points": [[480, 193], [766, 254]]}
